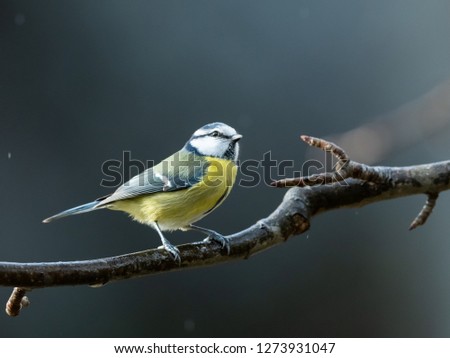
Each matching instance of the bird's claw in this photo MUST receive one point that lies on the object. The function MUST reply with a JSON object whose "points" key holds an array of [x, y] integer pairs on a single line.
{"points": [[223, 240], [172, 251]]}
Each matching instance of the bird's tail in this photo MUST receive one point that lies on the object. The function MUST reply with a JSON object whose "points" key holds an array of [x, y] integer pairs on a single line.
{"points": [[74, 211]]}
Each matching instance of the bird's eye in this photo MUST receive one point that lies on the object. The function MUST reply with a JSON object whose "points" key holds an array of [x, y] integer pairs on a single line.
{"points": [[214, 134]]}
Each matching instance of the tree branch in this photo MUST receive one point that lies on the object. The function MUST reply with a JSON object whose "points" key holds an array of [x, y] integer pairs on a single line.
{"points": [[352, 184], [16, 301]]}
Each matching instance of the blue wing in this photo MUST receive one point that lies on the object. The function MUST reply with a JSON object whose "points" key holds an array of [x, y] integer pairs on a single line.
{"points": [[160, 178]]}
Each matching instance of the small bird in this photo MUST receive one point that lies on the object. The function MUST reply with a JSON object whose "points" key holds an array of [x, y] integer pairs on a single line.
{"points": [[181, 189]]}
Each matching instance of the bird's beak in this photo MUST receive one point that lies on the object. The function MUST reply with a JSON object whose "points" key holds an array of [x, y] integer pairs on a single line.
{"points": [[236, 137]]}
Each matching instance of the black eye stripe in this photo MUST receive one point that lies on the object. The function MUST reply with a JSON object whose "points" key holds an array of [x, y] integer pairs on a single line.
{"points": [[219, 135]]}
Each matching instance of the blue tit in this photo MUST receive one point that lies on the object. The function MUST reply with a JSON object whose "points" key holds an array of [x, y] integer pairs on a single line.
{"points": [[181, 189]]}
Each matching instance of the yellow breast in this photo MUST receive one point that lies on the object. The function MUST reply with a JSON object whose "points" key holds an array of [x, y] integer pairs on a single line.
{"points": [[177, 209]]}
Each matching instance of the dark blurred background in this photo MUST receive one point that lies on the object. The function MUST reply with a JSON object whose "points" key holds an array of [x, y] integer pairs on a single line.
{"points": [[82, 81]]}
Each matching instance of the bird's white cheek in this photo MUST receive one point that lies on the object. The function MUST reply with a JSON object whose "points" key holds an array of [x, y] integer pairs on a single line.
{"points": [[209, 146]]}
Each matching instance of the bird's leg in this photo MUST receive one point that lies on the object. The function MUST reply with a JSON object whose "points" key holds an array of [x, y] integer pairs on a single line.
{"points": [[212, 235], [171, 249]]}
